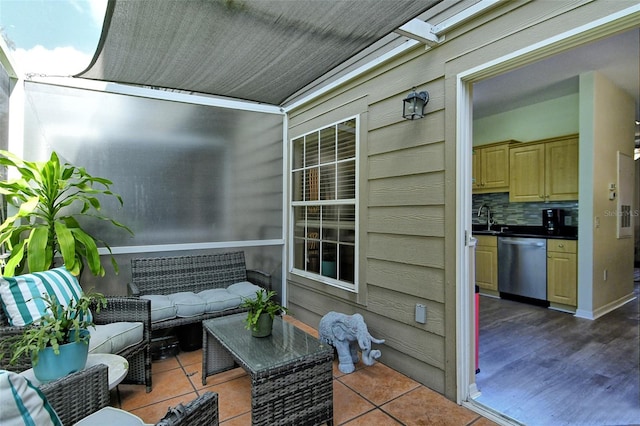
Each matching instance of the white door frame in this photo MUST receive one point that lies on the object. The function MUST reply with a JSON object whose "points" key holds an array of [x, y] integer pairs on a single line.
{"points": [[465, 337]]}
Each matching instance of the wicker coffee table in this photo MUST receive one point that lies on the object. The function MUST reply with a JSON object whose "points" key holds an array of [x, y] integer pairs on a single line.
{"points": [[291, 371]]}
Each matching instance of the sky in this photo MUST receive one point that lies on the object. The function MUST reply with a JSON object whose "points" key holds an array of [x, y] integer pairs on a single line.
{"points": [[52, 37]]}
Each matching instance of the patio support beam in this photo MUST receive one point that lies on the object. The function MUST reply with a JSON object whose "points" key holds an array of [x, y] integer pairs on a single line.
{"points": [[464, 16], [420, 31]]}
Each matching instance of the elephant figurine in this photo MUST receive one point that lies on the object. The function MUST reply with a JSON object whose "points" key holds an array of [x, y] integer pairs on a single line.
{"points": [[346, 333]]}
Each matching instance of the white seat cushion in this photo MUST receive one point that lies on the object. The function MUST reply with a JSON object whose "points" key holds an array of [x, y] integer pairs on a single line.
{"points": [[114, 337], [219, 299], [111, 416], [188, 304], [162, 307], [244, 289]]}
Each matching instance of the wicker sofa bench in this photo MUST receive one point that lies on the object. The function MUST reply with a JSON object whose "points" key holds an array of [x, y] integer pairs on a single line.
{"points": [[180, 286]]}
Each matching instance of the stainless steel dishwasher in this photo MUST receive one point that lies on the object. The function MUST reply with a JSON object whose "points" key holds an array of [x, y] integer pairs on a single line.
{"points": [[522, 266]]}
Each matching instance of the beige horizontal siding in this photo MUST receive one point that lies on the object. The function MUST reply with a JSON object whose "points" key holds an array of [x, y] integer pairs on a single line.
{"points": [[416, 369], [413, 190], [407, 220], [424, 251], [401, 307], [420, 281], [406, 134], [423, 346], [421, 159]]}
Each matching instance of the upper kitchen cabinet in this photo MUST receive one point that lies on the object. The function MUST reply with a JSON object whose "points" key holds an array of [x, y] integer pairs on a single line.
{"points": [[491, 168], [544, 171]]}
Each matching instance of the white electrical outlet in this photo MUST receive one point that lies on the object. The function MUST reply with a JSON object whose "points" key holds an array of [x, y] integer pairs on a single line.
{"points": [[421, 313]]}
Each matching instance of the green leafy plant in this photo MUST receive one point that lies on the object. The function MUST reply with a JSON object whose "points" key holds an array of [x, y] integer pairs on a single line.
{"points": [[60, 325], [263, 303], [50, 196]]}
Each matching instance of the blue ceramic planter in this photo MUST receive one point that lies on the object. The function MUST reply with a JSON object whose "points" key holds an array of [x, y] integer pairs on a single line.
{"points": [[72, 358]]}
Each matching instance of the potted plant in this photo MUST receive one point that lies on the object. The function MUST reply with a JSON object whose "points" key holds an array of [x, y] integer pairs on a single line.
{"points": [[50, 197], [262, 311], [58, 343]]}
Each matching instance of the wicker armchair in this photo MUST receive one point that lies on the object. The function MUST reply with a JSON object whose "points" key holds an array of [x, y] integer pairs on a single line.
{"points": [[68, 397], [118, 309]]}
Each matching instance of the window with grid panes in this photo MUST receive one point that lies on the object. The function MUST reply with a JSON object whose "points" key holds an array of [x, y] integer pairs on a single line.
{"points": [[323, 203]]}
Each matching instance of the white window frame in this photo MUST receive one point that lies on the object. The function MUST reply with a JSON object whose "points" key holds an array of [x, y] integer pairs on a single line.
{"points": [[335, 282]]}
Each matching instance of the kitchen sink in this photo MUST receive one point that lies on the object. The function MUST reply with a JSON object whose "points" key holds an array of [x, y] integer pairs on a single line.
{"points": [[488, 232], [497, 230]]}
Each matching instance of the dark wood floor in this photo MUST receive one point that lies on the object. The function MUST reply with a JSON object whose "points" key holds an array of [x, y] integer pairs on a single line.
{"points": [[543, 367]]}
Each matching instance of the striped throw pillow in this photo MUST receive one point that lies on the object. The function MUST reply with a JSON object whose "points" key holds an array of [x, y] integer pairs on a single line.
{"points": [[23, 403], [22, 295]]}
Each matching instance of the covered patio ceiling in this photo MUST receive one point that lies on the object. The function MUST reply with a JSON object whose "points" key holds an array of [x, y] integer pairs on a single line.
{"points": [[255, 50]]}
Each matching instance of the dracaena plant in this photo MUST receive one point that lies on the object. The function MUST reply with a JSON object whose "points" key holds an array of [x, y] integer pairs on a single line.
{"points": [[50, 196]]}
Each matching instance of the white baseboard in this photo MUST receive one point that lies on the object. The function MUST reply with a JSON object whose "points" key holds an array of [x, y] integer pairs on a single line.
{"points": [[603, 310]]}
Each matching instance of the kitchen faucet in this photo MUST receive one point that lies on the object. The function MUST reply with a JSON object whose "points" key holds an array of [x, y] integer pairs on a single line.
{"points": [[489, 221]]}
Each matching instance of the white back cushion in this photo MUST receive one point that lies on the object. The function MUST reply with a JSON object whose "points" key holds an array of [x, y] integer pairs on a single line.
{"points": [[22, 295]]}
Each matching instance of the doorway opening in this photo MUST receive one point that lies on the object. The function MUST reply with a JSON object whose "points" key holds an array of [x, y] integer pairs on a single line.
{"points": [[468, 119]]}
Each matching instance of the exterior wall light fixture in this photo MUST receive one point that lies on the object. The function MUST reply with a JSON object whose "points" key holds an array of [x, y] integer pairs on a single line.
{"points": [[414, 105]]}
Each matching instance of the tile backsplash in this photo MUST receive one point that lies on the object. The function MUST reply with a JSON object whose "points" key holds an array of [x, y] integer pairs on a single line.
{"points": [[529, 214]]}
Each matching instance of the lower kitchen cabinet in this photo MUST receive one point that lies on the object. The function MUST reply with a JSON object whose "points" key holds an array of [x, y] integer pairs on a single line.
{"points": [[487, 263], [562, 272]]}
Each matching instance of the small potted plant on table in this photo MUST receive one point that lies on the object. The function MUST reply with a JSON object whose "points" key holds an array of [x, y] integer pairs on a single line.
{"points": [[262, 311], [59, 343]]}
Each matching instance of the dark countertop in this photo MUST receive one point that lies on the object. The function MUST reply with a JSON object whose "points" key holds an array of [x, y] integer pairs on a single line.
{"points": [[565, 233]]}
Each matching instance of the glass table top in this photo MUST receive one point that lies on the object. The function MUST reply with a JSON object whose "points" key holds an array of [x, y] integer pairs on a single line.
{"points": [[285, 345]]}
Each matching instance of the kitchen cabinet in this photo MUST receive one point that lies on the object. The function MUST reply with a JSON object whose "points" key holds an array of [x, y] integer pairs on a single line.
{"points": [[491, 168], [562, 272], [487, 263], [544, 171]]}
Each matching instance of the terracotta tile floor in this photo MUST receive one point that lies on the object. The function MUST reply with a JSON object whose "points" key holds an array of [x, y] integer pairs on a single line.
{"points": [[375, 395]]}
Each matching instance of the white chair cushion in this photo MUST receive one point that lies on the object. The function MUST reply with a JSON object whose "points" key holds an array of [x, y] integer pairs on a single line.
{"points": [[219, 299], [22, 295], [111, 416], [244, 289], [162, 307], [114, 337], [188, 304], [23, 403]]}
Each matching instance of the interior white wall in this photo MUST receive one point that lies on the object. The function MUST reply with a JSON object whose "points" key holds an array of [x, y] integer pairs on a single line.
{"points": [[606, 123], [585, 190], [542, 120], [636, 213]]}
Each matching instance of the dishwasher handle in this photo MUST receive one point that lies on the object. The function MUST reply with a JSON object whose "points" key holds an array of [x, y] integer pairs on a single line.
{"points": [[523, 243]]}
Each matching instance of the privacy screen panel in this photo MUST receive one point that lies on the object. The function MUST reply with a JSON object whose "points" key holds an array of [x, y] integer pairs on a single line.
{"points": [[187, 173], [5, 89]]}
